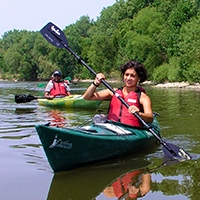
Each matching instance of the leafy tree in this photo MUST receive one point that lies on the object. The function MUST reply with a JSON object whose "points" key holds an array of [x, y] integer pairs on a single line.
{"points": [[168, 71], [46, 68], [189, 50], [139, 41], [77, 34], [181, 12], [12, 62], [163, 35]]}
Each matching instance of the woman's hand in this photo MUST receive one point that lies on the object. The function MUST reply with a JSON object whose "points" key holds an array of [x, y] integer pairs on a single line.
{"points": [[133, 109], [98, 78]]}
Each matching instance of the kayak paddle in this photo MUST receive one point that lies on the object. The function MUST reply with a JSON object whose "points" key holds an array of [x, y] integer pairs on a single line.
{"points": [[24, 98], [56, 37]]}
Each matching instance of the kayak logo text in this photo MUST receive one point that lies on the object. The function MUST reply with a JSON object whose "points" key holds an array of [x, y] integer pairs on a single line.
{"points": [[61, 144]]}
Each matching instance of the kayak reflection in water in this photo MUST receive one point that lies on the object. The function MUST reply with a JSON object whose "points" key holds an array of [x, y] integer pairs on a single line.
{"points": [[130, 186], [57, 118], [56, 88]]}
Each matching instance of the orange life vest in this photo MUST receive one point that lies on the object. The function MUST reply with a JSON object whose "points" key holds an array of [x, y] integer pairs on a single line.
{"points": [[59, 88], [119, 113]]}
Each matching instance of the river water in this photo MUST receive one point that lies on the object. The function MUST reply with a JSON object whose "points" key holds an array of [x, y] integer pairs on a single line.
{"points": [[26, 174]]}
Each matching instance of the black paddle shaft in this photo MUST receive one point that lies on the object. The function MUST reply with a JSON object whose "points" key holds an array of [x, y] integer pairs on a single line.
{"points": [[56, 37]]}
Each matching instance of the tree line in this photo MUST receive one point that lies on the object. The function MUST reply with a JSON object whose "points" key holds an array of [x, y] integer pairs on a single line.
{"points": [[161, 34]]}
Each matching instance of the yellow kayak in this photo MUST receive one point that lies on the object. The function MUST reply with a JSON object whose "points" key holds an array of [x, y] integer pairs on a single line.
{"points": [[72, 101]]}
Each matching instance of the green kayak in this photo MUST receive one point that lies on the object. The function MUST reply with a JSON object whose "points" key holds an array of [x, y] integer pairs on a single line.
{"points": [[68, 148], [72, 101]]}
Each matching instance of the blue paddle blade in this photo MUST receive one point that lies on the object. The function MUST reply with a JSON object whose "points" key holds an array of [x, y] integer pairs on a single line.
{"points": [[175, 152], [54, 35]]}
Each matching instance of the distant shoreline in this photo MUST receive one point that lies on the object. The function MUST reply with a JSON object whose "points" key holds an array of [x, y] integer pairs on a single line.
{"points": [[183, 85]]}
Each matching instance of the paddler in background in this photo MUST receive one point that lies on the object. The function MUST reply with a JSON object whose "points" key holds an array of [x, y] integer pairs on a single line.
{"points": [[56, 88]]}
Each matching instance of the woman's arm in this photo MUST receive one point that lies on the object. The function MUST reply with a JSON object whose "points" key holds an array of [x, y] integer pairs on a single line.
{"points": [[91, 94], [145, 101]]}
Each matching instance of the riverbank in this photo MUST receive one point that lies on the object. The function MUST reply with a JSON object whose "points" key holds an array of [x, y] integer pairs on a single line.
{"points": [[185, 85]]}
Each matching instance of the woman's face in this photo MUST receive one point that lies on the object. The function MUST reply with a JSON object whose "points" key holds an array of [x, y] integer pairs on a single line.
{"points": [[131, 77]]}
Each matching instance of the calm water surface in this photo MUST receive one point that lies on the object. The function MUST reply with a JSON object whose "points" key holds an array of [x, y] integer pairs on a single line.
{"points": [[26, 174]]}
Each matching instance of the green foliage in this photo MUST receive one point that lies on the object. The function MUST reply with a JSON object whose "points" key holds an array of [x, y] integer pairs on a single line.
{"points": [[163, 35], [168, 72], [193, 73], [46, 68], [160, 73], [148, 22], [176, 15], [174, 70]]}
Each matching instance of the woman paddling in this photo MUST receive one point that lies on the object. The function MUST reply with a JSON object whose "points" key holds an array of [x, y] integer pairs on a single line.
{"points": [[133, 73]]}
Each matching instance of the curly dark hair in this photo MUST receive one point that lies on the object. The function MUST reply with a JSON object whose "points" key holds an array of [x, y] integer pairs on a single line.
{"points": [[139, 68]]}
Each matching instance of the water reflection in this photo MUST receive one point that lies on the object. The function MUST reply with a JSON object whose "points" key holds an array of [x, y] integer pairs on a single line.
{"points": [[132, 185], [177, 181], [57, 118], [25, 169], [122, 179], [90, 181]]}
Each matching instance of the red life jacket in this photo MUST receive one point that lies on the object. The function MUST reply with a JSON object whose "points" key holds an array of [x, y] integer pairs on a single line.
{"points": [[119, 113], [58, 89], [121, 185]]}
